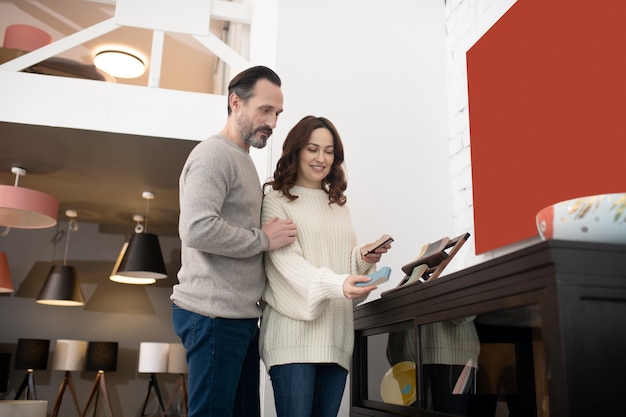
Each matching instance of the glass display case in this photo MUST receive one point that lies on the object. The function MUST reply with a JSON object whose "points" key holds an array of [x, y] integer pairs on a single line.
{"points": [[531, 334]]}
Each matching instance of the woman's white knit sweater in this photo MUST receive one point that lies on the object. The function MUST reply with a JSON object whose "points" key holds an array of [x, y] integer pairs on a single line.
{"points": [[306, 317]]}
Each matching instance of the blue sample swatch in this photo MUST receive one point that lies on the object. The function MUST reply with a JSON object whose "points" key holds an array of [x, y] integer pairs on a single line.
{"points": [[379, 277]]}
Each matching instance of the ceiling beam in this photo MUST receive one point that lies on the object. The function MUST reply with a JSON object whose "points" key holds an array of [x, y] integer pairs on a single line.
{"points": [[223, 51], [220, 9]]}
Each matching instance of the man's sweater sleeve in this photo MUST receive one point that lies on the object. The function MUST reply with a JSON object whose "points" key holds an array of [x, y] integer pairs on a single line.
{"points": [[220, 199]]}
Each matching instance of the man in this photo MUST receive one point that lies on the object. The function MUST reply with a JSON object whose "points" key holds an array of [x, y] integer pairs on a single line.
{"points": [[216, 302]]}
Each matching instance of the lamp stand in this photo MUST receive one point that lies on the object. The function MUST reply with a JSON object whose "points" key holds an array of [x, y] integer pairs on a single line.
{"points": [[99, 387], [180, 386], [67, 382], [28, 385], [153, 384]]}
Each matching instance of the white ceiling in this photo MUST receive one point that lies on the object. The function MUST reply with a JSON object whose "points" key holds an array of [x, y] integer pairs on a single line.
{"points": [[103, 178]]}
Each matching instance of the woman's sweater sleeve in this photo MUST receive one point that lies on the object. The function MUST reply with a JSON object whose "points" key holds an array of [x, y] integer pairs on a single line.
{"points": [[296, 288]]}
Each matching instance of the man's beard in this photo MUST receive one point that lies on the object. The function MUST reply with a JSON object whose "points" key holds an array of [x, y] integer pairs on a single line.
{"points": [[258, 142], [248, 133]]}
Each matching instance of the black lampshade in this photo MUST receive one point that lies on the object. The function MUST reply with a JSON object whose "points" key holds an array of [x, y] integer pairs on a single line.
{"points": [[5, 360], [32, 354], [61, 287], [143, 258], [101, 356]]}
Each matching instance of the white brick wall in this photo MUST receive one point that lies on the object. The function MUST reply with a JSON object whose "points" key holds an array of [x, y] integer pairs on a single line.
{"points": [[467, 21]]}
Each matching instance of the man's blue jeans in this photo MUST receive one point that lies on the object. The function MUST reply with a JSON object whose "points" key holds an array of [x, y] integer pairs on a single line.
{"points": [[223, 361], [308, 389]]}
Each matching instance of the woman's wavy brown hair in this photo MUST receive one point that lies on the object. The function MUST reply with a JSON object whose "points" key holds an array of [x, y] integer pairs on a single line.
{"points": [[286, 171]]}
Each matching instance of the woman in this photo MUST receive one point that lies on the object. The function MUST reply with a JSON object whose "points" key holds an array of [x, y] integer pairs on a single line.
{"points": [[307, 335]]}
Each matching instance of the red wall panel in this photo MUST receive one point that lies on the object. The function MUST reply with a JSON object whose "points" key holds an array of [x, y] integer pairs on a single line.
{"points": [[547, 104]]}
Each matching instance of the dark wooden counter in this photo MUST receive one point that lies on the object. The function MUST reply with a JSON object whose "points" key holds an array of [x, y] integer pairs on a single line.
{"points": [[579, 292]]}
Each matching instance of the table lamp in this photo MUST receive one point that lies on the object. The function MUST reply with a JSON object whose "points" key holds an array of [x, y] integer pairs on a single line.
{"points": [[153, 359], [101, 357], [5, 361], [69, 355], [177, 364], [31, 354]]}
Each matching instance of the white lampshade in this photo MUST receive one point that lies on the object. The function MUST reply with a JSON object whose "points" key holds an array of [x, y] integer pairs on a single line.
{"points": [[177, 363], [153, 357], [70, 355]]}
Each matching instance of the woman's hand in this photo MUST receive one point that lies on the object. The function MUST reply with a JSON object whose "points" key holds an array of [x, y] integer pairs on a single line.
{"points": [[374, 257], [351, 291]]}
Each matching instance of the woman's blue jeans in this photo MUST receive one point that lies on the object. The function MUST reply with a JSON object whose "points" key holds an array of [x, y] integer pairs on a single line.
{"points": [[308, 389], [223, 362]]}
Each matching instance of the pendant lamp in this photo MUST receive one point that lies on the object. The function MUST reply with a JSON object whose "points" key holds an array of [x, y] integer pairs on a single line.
{"points": [[61, 287], [122, 279], [141, 259], [25, 208]]}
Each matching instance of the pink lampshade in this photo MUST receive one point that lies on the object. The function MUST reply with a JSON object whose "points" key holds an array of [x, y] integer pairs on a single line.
{"points": [[25, 37], [6, 285], [25, 208]]}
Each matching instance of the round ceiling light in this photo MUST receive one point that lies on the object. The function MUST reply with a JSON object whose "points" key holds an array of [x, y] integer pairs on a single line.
{"points": [[119, 64]]}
